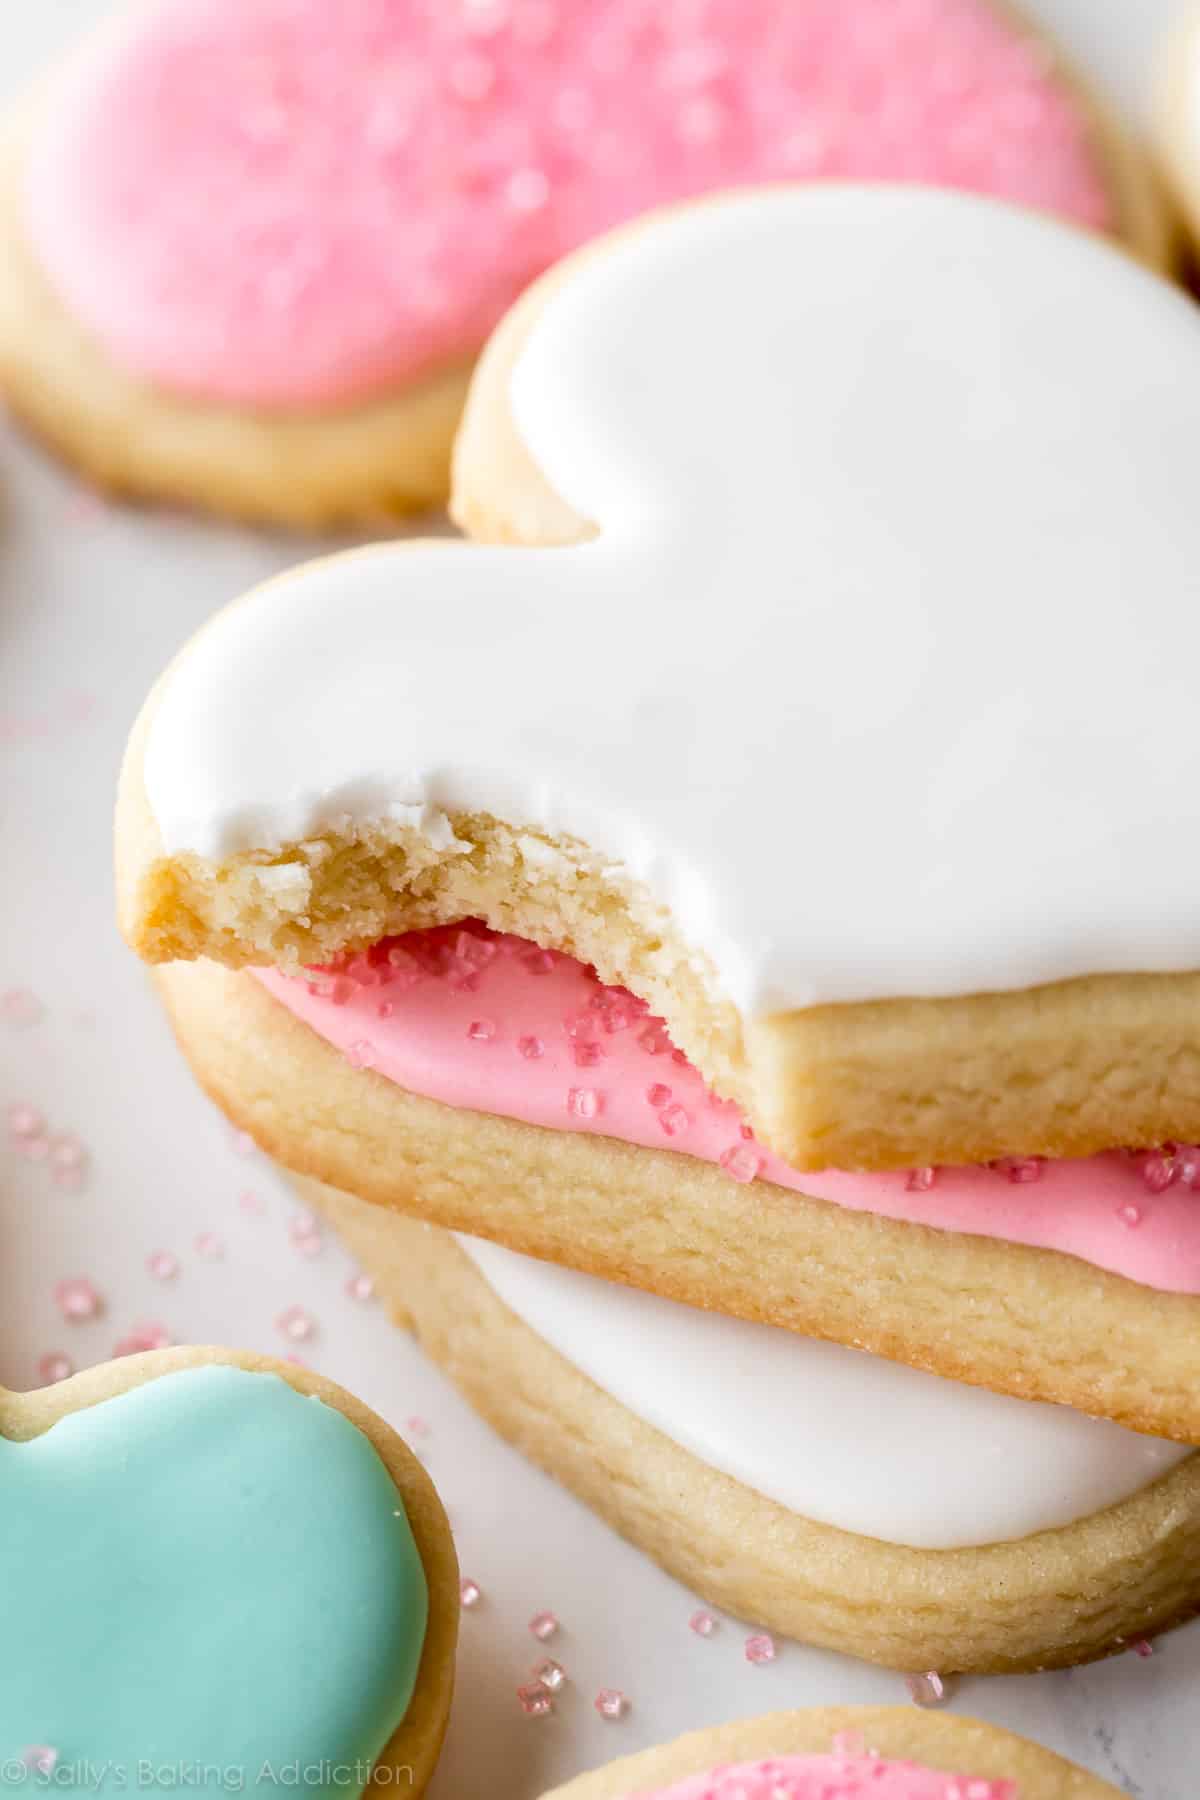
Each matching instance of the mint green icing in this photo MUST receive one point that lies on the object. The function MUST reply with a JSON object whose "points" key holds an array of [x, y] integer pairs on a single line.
{"points": [[211, 1573]]}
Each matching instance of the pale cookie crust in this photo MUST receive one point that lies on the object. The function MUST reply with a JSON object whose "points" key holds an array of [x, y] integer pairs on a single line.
{"points": [[1058, 1598], [1035, 1323], [937, 1741], [417, 1742], [358, 463]]}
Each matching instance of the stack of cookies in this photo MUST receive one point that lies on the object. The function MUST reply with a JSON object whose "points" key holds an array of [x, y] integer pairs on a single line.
{"points": [[747, 896], [721, 944]]}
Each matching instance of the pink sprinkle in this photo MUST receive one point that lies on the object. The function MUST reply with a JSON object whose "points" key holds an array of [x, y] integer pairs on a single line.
{"points": [[674, 1119], [469, 1592], [1129, 1214], [209, 1246], [25, 1121], [535, 1700], [35, 1147], [551, 1674], [55, 1366], [677, 1056], [658, 1095], [482, 1031], [251, 1203], [416, 1426], [1021, 1168], [611, 1703], [1158, 1172], [920, 1180], [244, 1144], [587, 1055], [527, 190], [531, 1048], [703, 1624], [926, 1690], [143, 1337], [741, 1162], [1143, 1648], [849, 1743], [384, 1010], [360, 1287], [20, 1007], [67, 1153], [305, 1234], [76, 1298], [471, 77], [654, 1040], [361, 1054], [746, 1131], [760, 1648], [1188, 1158], [404, 967], [163, 1265], [584, 1103], [41, 1759], [543, 1625], [341, 989], [293, 1322]]}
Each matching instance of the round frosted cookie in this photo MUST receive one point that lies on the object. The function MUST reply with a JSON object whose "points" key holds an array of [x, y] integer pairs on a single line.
{"points": [[250, 251], [265, 1568], [497, 1089], [842, 1753], [828, 1495]]}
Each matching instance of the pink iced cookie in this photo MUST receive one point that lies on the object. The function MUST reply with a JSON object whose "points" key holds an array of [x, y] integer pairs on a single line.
{"points": [[832, 1777], [289, 205], [842, 1753], [492, 1024]]}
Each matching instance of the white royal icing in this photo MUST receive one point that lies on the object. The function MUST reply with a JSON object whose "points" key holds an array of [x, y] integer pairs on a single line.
{"points": [[835, 1435], [881, 671]]}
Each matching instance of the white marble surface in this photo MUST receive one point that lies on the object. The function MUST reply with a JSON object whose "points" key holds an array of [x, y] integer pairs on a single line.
{"points": [[92, 601]]}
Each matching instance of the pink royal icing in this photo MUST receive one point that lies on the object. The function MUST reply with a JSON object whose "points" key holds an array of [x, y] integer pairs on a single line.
{"points": [[493, 1024], [288, 202], [834, 1777]]}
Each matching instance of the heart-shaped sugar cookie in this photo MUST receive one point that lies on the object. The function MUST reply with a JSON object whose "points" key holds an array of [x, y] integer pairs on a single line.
{"points": [[845, 722], [214, 1562]]}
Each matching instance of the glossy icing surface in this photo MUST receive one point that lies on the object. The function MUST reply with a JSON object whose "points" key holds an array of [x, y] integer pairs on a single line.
{"points": [[290, 203], [848, 1775], [835, 1435], [209, 1569], [844, 712], [492, 1024]]}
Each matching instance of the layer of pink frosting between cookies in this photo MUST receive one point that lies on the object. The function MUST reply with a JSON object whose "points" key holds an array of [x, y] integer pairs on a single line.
{"points": [[293, 203], [492, 1024], [834, 1777]]}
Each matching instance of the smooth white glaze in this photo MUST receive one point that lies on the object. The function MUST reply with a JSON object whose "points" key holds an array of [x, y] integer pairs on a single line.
{"points": [[881, 671], [833, 1434]]}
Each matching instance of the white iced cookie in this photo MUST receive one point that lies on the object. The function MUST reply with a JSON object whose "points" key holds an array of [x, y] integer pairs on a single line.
{"points": [[845, 722], [829, 1495]]}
